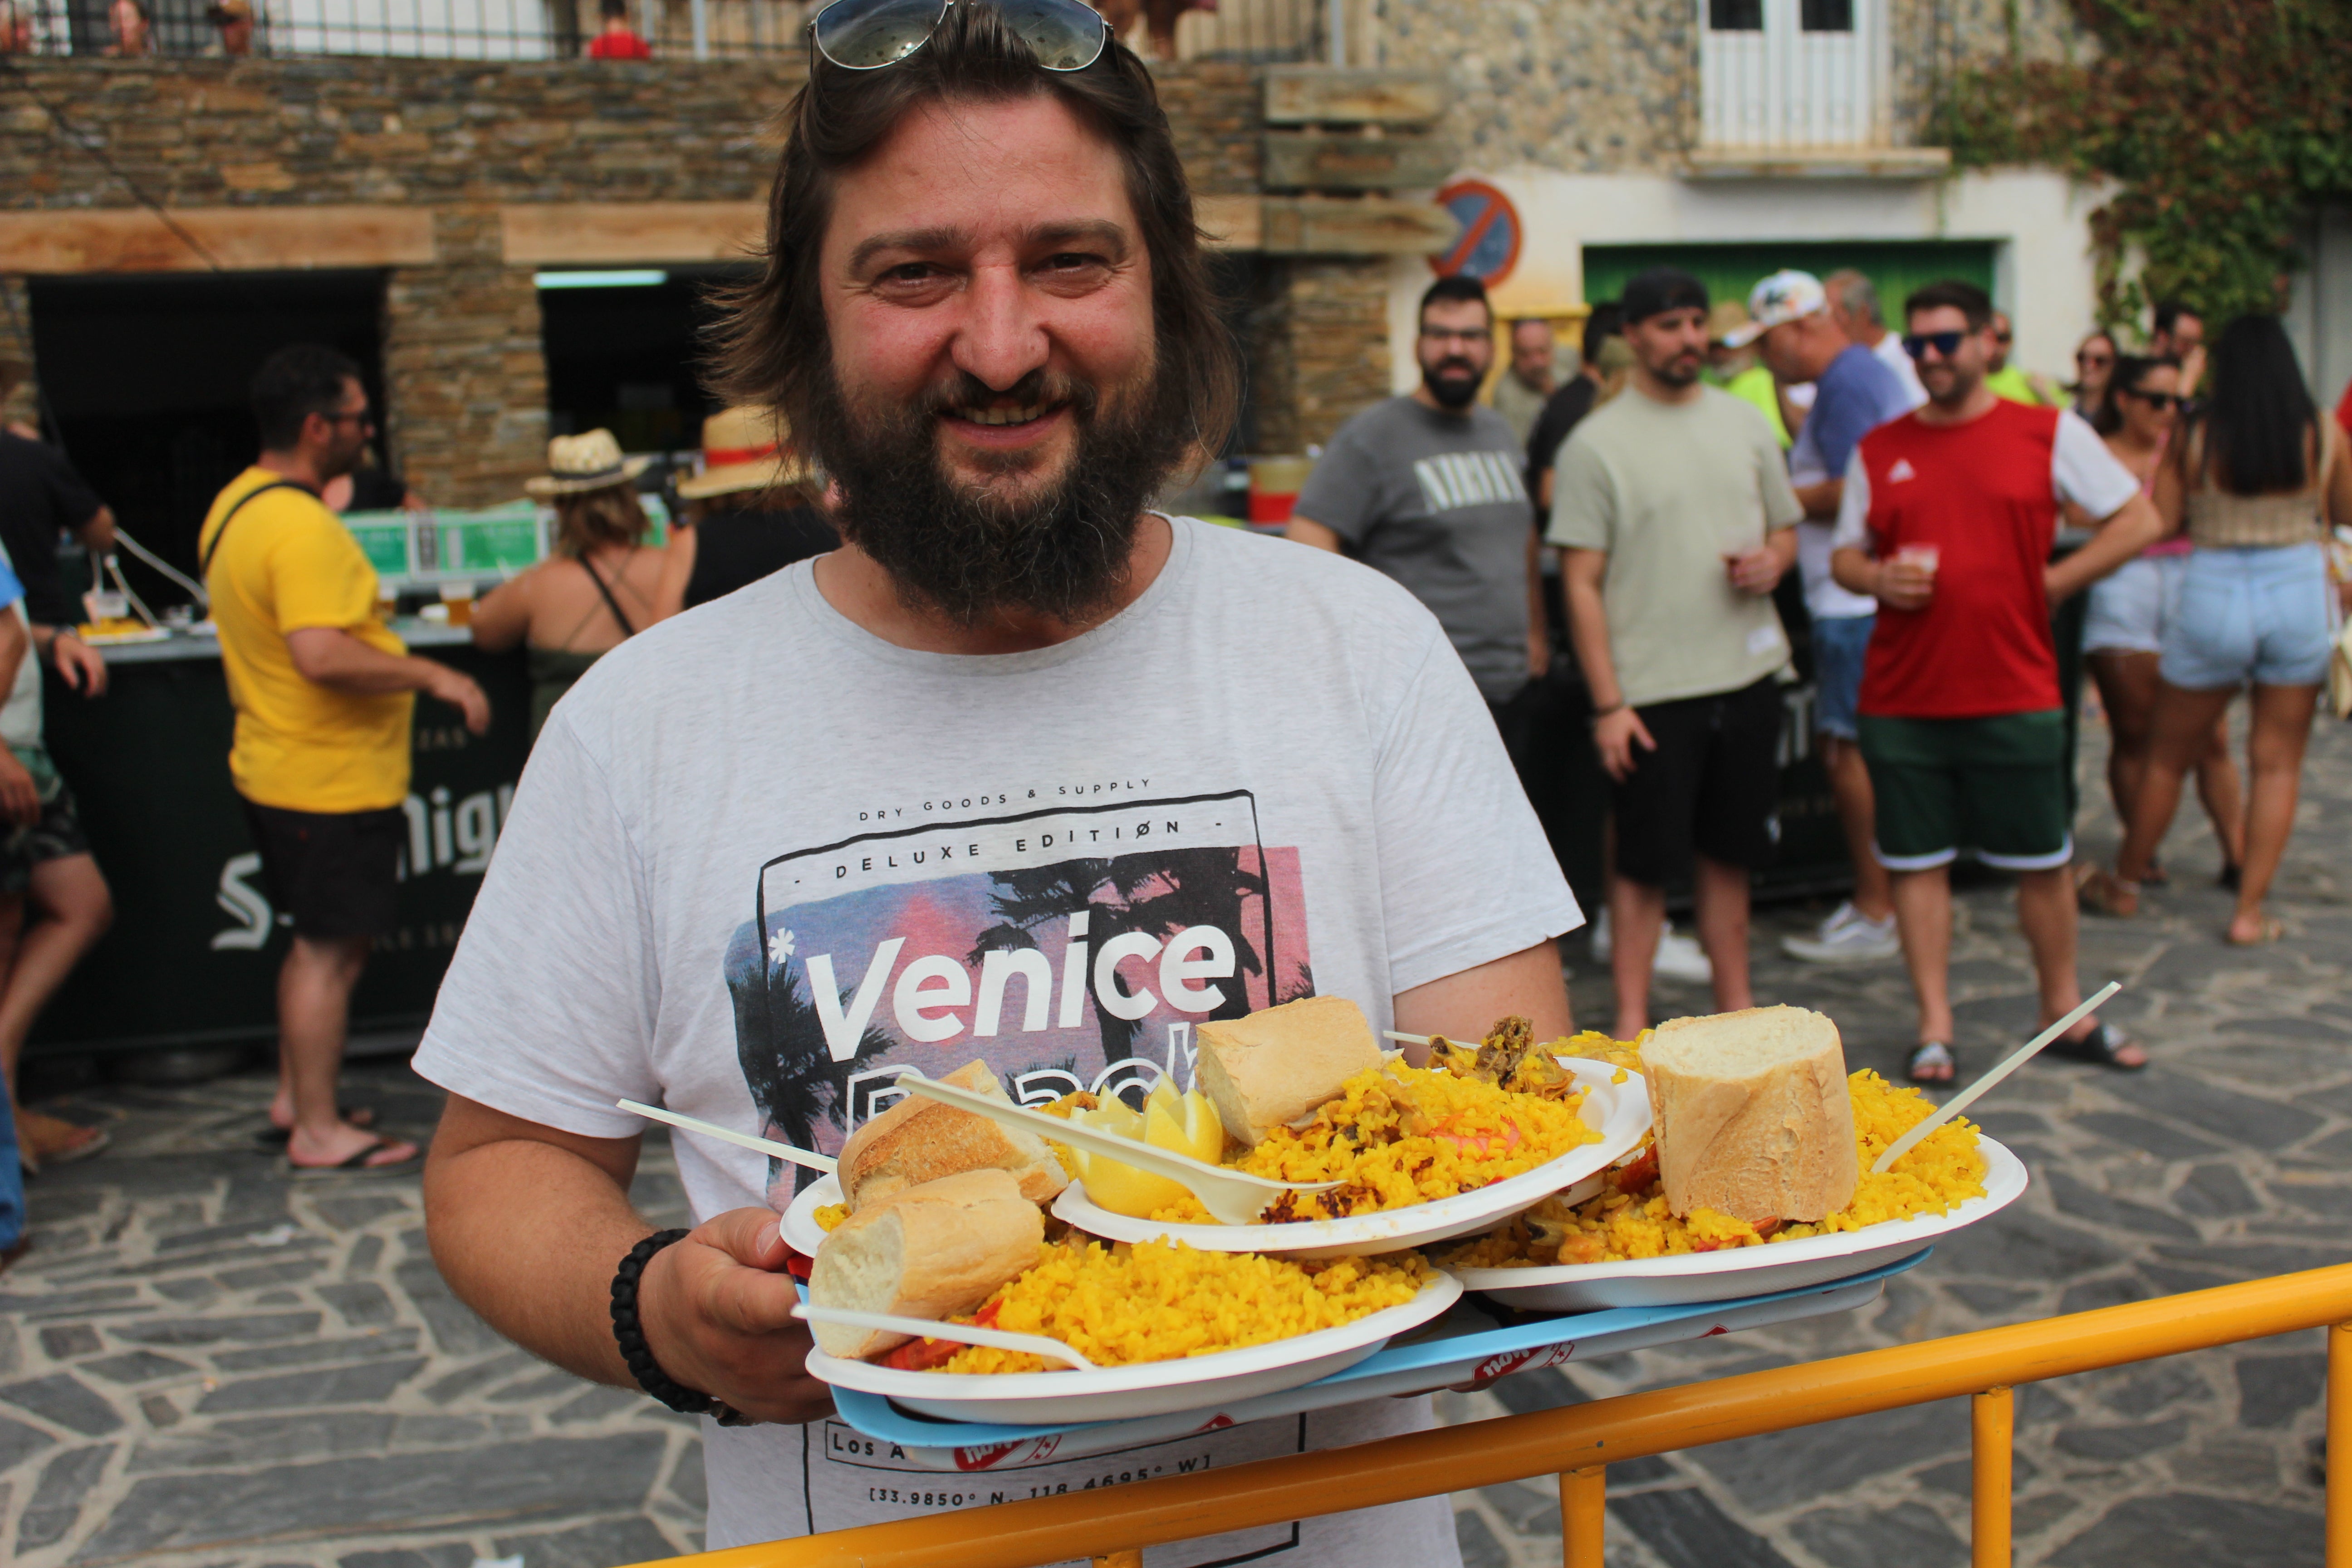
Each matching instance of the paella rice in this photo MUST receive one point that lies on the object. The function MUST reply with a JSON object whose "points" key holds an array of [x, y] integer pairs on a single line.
{"points": [[1630, 1220], [1163, 1301], [1400, 1135]]}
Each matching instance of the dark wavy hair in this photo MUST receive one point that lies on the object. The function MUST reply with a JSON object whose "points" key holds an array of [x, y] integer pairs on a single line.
{"points": [[771, 345], [2129, 371], [2259, 412]]}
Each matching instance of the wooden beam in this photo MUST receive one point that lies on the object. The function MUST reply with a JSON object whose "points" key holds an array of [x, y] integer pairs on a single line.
{"points": [[538, 233], [1376, 225], [236, 238], [1312, 95], [1320, 161], [1232, 222]]}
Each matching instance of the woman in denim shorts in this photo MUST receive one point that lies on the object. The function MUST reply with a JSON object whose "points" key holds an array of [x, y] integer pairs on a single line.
{"points": [[2256, 479], [2124, 630]]}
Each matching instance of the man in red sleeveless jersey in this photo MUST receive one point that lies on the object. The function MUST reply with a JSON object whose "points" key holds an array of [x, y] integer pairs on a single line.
{"points": [[1948, 519]]}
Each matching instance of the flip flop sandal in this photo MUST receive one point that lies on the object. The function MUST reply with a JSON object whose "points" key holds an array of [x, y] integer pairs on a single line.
{"points": [[359, 1116], [357, 1165], [2103, 892], [1932, 1065], [79, 1149], [2102, 1047]]}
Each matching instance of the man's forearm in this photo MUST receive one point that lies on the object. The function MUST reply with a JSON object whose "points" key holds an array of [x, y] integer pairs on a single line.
{"points": [[1820, 502], [528, 1235], [2125, 534], [1588, 629], [332, 656], [1854, 571]]}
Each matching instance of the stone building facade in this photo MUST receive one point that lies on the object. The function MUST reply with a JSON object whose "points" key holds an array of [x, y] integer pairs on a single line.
{"points": [[459, 179]]}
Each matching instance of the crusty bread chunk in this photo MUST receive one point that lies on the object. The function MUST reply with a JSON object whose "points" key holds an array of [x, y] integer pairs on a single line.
{"points": [[918, 1141], [1278, 1065], [1752, 1114], [929, 1251]]}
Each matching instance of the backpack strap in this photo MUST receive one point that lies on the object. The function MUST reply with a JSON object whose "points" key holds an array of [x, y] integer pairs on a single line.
{"points": [[205, 567]]}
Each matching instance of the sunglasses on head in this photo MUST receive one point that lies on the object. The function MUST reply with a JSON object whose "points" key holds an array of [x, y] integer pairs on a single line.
{"points": [[1946, 344], [867, 35]]}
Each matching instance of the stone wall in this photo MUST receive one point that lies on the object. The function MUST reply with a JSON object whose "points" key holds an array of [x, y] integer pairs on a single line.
{"points": [[1320, 353], [468, 414], [466, 384], [1612, 85]]}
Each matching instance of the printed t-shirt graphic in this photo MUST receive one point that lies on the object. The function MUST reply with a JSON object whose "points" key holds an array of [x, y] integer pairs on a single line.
{"points": [[1070, 948]]}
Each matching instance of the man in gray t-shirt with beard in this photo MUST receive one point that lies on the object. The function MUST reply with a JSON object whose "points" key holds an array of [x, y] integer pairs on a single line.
{"points": [[1426, 488]]}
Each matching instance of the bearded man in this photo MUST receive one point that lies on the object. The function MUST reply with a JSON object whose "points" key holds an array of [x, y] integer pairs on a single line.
{"points": [[776, 851]]}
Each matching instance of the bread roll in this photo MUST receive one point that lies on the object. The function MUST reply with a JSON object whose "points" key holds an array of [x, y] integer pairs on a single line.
{"points": [[929, 1251], [1278, 1065], [1752, 1114], [920, 1139]]}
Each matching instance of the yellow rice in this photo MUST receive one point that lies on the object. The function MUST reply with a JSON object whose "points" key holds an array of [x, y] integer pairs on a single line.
{"points": [[1942, 1171], [1400, 1135], [1161, 1300], [828, 1216]]}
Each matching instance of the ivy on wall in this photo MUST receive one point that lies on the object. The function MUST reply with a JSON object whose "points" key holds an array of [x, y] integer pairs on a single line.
{"points": [[2224, 121]]}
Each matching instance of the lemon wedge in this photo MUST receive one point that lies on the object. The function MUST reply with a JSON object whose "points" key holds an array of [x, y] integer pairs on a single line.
{"points": [[1184, 1124]]}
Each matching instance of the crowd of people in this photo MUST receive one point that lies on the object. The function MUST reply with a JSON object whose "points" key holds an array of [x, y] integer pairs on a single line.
{"points": [[1918, 483]]}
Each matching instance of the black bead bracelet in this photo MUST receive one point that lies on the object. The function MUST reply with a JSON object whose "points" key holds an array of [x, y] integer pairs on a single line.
{"points": [[630, 1335]]}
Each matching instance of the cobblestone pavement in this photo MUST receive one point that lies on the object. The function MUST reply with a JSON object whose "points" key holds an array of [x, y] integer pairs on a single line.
{"points": [[207, 1364]]}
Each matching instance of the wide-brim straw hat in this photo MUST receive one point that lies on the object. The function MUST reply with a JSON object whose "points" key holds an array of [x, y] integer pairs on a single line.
{"points": [[743, 450], [578, 464]]}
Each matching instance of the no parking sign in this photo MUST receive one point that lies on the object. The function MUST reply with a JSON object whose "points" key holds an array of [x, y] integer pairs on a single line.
{"points": [[1489, 244]]}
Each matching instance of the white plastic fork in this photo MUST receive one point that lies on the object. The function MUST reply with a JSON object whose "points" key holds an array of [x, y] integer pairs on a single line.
{"points": [[961, 1333], [784, 1151], [1235, 1197]]}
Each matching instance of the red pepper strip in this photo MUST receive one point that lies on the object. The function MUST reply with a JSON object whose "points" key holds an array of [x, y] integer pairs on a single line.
{"points": [[922, 1355]]}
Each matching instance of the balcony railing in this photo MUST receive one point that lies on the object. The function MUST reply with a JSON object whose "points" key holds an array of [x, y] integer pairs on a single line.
{"points": [[1255, 31]]}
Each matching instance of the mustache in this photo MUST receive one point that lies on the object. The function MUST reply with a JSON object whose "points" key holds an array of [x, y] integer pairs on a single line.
{"points": [[1453, 367], [1040, 388]]}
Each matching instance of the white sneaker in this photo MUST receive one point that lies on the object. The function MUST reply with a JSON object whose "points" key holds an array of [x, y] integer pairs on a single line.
{"points": [[1848, 936], [1681, 958]]}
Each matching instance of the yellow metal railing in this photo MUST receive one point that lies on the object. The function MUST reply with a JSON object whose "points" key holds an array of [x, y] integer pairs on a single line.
{"points": [[1579, 1442]]}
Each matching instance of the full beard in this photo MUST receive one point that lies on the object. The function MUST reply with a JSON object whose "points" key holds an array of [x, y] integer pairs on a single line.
{"points": [[969, 553]]}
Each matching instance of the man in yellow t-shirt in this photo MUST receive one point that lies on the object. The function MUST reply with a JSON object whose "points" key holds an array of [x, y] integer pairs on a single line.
{"points": [[323, 692]]}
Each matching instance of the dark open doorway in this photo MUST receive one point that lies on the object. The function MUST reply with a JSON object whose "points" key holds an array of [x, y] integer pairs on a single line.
{"points": [[145, 381], [626, 358]]}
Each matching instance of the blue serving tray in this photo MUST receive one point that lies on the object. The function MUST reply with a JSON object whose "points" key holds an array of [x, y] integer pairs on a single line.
{"points": [[1472, 1342]]}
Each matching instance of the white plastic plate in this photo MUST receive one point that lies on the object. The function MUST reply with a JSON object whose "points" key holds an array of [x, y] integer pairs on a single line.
{"points": [[1149, 1388], [801, 1233], [1698, 1277], [1620, 1110]]}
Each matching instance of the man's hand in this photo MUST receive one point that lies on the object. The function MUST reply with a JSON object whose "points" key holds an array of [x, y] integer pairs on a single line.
{"points": [[716, 1311], [1758, 571], [462, 693], [20, 798], [79, 665], [1905, 585], [1616, 734]]}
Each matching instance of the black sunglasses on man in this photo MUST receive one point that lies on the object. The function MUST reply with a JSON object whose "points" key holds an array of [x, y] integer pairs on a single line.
{"points": [[867, 35]]}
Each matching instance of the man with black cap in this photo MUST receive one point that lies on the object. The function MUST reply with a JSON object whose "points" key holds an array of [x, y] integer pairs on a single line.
{"points": [[1675, 509]]}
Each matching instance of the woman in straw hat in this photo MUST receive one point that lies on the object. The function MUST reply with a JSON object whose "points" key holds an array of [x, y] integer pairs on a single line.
{"points": [[597, 588], [751, 511]]}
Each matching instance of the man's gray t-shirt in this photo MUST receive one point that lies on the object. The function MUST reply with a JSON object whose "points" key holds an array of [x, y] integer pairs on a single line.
{"points": [[1668, 491], [1435, 499], [762, 860]]}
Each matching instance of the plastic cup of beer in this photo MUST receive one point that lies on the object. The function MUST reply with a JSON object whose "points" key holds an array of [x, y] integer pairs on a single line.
{"points": [[457, 601], [1923, 556]]}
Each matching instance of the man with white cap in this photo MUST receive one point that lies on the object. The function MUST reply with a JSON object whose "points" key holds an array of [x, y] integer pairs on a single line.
{"points": [[1802, 340]]}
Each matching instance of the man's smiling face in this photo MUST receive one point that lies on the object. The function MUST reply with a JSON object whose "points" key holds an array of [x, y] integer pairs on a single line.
{"points": [[983, 270]]}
